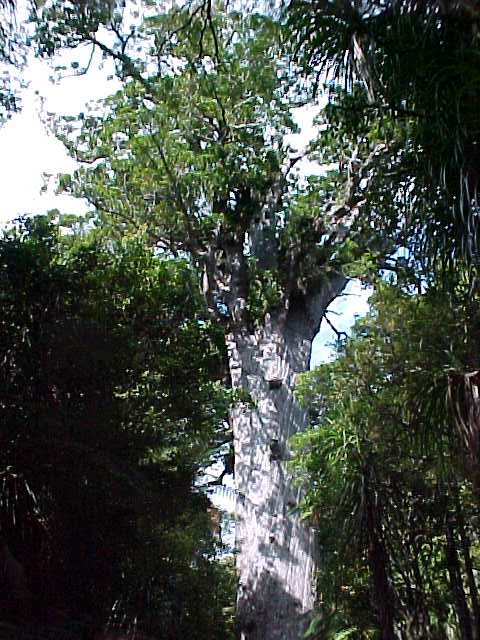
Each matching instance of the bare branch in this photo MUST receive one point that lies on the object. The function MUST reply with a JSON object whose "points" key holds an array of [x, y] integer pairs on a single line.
{"points": [[338, 333]]}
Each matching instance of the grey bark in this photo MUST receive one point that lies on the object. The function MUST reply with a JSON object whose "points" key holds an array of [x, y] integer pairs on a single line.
{"points": [[276, 555]]}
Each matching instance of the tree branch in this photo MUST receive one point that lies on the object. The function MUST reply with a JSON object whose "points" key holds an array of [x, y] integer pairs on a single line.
{"points": [[338, 333]]}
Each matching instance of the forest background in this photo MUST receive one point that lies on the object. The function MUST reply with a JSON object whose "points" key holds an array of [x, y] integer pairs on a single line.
{"points": [[115, 382]]}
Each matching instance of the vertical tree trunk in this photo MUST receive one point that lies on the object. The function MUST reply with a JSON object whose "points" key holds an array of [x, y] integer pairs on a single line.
{"points": [[456, 584], [378, 561], [276, 552], [467, 559]]}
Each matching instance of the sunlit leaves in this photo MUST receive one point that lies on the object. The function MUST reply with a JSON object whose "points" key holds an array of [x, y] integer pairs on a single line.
{"points": [[178, 153]]}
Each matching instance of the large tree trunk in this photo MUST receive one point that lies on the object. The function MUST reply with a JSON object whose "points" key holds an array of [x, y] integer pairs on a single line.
{"points": [[275, 551]]}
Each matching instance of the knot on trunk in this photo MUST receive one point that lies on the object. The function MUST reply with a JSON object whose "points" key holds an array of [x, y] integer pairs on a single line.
{"points": [[276, 450]]}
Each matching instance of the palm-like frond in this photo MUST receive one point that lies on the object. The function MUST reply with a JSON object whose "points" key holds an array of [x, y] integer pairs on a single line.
{"points": [[417, 62]]}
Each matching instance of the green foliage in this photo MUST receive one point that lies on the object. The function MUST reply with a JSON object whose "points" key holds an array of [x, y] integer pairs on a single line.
{"points": [[410, 79], [391, 463], [193, 155], [264, 293], [110, 403], [13, 45], [189, 156], [187, 151], [110, 391], [62, 25], [384, 433]]}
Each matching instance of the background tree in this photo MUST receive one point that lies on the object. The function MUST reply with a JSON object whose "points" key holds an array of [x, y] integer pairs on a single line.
{"points": [[391, 473], [110, 403]]}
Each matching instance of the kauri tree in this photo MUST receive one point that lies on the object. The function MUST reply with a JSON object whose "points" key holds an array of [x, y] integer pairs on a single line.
{"points": [[191, 153]]}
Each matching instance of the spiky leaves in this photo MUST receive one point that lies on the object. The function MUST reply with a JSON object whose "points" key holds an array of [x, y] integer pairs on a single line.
{"points": [[417, 64]]}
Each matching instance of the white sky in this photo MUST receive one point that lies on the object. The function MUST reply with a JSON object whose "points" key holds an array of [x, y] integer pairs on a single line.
{"points": [[29, 149]]}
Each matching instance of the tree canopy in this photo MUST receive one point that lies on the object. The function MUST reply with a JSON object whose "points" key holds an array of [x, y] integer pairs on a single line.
{"points": [[404, 86], [192, 151]]}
